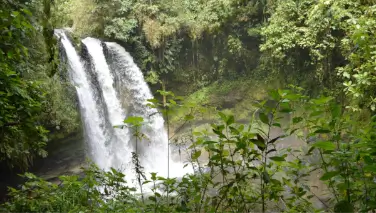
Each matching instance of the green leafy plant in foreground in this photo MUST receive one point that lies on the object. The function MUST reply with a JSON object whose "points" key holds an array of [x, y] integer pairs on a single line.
{"points": [[238, 167]]}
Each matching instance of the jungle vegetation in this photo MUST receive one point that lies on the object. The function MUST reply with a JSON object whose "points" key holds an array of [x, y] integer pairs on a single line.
{"points": [[306, 67]]}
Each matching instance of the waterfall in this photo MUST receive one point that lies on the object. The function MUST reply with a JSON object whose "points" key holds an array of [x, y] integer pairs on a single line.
{"points": [[131, 82], [110, 88], [119, 146], [92, 120]]}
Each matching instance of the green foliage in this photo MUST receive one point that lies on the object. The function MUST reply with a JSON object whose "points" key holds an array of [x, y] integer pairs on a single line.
{"points": [[190, 42], [245, 166], [31, 101], [336, 37], [93, 193], [21, 100], [245, 170], [200, 46]]}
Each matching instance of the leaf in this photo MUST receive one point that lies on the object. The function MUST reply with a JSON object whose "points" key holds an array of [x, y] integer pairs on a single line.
{"points": [[310, 150], [270, 151], [322, 100], [230, 120], [277, 125], [329, 175], [293, 97], [343, 207], [274, 140], [155, 101], [274, 94], [152, 198], [234, 130], [322, 131], [223, 116], [297, 120], [310, 196], [172, 102], [293, 131], [134, 120], [325, 145], [265, 177], [260, 144], [196, 155], [146, 182], [276, 158], [264, 118], [209, 142], [286, 110], [153, 176], [259, 137], [336, 111], [370, 168], [342, 186], [188, 117]]}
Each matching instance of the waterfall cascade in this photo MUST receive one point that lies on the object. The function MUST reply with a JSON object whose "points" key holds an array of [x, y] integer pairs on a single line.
{"points": [[111, 87]]}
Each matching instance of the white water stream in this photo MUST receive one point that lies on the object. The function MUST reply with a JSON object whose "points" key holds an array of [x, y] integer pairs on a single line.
{"points": [[92, 120]]}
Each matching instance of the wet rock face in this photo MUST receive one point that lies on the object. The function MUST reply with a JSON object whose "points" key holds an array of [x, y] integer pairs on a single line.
{"points": [[65, 156]]}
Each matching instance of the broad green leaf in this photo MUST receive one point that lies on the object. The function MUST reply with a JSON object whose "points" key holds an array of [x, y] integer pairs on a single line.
{"points": [[223, 116], [325, 145], [329, 175], [264, 118], [342, 186], [336, 111], [286, 110], [230, 120], [234, 130], [274, 140], [153, 100], [293, 97], [172, 102], [196, 155], [370, 168], [274, 95], [322, 100], [297, 120], [276, 158], [134, 120], [189, 117], [270, 151], [265, 177], [260, 144], [153, 176], [343, 207]]}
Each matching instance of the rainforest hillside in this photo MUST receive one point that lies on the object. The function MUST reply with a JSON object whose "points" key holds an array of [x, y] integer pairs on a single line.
{"points": [[230, 78]]}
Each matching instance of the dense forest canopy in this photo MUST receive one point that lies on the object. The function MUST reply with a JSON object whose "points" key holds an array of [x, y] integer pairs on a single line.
{"points": [[224, 54], [205, 41]]}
